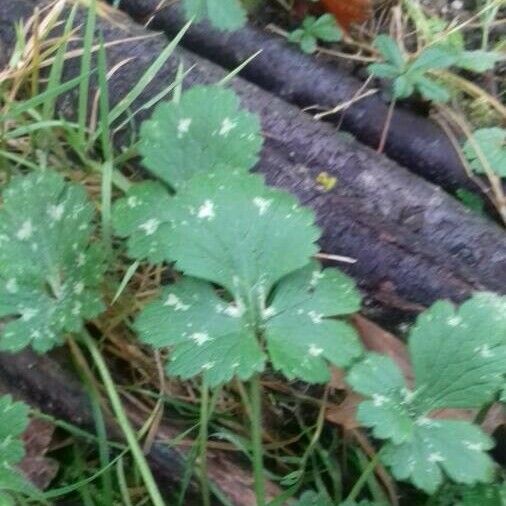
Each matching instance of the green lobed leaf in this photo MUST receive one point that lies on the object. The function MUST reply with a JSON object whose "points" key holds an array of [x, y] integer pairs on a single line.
{"points": [[389, 50], [434, 57], [143, 217], [431, 90], [231, 229], [204, 131], [455, 448], [49, 272], [467, 371], [207, 334], [300, 334], [387, 413], [308, 43], [13, 422], [326, 28], [218, 337], [223, 14], [469, 367], [403, 87], [383, 70], [492, 143], [477, 61]]}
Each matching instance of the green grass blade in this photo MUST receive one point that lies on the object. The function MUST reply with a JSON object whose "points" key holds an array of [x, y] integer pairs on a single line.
{"points": [[57, 67], [82, 112], [41, 98], [107, 148], [238, 69], [123, 422], [147, 77]]}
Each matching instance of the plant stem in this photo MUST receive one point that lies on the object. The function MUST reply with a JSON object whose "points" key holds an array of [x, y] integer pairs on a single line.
{"points": [[359, 484], [123, 422], [256, 438], [203, 435]]}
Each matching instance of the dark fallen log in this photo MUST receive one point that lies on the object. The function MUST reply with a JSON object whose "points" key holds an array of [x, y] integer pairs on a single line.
{"points": [[412, 241], [281, 68], [50, 384]]}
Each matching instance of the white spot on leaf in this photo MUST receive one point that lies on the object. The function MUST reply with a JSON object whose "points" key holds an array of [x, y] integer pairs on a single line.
{"points": [[315, 278], [28, 313], [12, 285], [262, 204], [78, 288], [315, 351], [235, 310], [26, 231], [316, 318], [206, 211], [150, 226], [183, 127], [133, 202], [378, 400], [200, 338], [227, 126], [56, 212], [454, 321], [174, 301], [76, 310], [484, 351], [475, 447]]}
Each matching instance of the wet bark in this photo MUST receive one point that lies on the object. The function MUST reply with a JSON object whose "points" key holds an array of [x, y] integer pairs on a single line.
{"points": [[306, 80]]}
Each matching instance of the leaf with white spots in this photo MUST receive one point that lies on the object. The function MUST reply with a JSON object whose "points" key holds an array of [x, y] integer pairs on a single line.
{"points": [[458, 358], [142, 216], [49, 272], [379, 378], [301, 335], [469, 367], [454, 448], [13, 422], [206, 334], [231, 229], [256, 243], [204, 131]]}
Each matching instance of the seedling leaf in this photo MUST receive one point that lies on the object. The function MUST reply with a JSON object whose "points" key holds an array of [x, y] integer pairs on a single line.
{"points": [[313, 29], [477, 61], [223, 14], [205, 131], [49, 271], [492, 144], [389, 50]]}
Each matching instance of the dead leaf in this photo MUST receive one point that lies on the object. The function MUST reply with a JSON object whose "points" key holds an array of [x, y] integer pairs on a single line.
{"points": [[38, 468], [348, 12]]}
